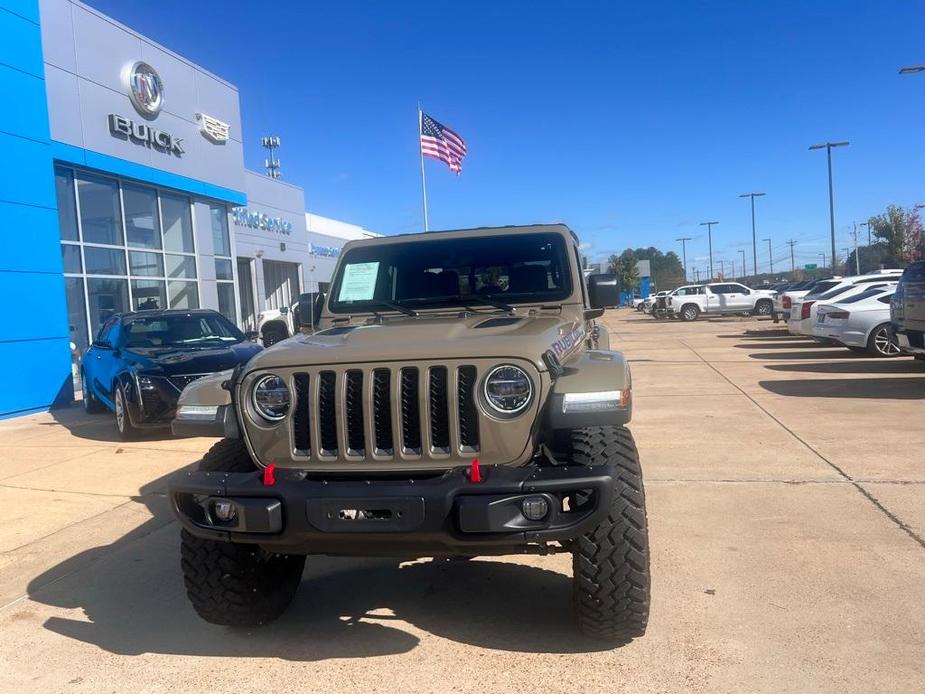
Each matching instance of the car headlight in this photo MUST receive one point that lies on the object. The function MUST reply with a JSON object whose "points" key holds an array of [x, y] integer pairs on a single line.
{"points": [[508, 389], [270, 397]]}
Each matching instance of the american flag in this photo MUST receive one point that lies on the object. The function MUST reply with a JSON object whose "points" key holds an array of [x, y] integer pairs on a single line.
{"points": [[439, 142]]}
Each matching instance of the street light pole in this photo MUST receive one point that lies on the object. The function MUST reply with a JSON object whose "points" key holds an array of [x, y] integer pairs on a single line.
{"points": [[744, 273], [709, 226], [754, 238], [684, 241], [823, 263], [770, 257], [793, 266], [828, 150], [867, 224]]}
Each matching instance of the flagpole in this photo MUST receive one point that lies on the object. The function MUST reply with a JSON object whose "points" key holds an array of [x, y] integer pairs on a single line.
{"points": [[421, 149]]}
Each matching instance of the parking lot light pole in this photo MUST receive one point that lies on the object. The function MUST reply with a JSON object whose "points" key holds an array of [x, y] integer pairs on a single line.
{"points": [[866, 224], [828, 150], [754, 238], [684, 241], [744, 273], [770, 257], [709, 226], [823, 263]]}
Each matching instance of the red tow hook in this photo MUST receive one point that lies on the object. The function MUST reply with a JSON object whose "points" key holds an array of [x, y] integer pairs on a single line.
{"points": [[269, 475], [475, 471]]}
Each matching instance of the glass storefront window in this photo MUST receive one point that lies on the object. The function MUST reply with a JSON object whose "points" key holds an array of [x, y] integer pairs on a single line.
{"points": [[181, 266], [106, 297], [223, 269], [226, 300], [221, 241], [148, 295], [76, 312], [183, 294], [178, 223], [67, 207], [100, 215], [145, 264], [104, 261], [70, 255], [142, 225]]}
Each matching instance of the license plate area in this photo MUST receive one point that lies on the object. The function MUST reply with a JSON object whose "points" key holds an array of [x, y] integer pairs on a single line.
{"points": [[366, 515]]}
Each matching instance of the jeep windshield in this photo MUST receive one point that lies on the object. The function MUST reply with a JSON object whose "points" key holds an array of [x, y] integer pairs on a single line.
{"points": [[495, 271]]}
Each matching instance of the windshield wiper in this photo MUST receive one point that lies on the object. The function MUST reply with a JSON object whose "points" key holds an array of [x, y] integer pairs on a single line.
{"points": [[489, 300], [395, 306]]}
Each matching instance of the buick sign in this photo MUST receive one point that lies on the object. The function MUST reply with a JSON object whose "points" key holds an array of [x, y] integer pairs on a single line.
{"points": [[144, 134], [144, 87]]}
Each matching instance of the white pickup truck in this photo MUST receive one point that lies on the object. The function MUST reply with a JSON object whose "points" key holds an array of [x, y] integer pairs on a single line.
{"points": [[718, 299]]}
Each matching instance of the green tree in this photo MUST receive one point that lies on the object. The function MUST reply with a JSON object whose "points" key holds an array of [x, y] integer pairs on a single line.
{"points": [[899, 232], [624, 267]]}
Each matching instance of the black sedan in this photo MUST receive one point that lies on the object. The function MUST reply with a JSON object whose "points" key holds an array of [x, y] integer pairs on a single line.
{"points": [[140, 362]]}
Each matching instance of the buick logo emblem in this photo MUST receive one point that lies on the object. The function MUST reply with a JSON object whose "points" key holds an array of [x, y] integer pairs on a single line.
{"points": [[144, 87]]}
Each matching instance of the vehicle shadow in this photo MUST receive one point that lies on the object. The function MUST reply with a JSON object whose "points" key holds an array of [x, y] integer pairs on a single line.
{"points": [[98, 427], [133, 601], [866, 366], [874, 388], [809, 353], [760, 334], [788, 344]]}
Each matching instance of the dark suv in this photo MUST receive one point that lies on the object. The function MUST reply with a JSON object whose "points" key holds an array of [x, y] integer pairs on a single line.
{"points": [[907, 310]]}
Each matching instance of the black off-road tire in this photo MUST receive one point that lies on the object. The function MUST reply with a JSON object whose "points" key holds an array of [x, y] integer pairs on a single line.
{"points": [[610, 564], [236, 584]]}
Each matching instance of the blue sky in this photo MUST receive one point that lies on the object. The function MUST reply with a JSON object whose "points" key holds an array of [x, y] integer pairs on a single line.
{"points": [[631, 122]]}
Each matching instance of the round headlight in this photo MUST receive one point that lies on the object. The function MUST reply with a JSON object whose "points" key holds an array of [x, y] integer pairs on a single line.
{"points": [[271, 398], [508, 389]]}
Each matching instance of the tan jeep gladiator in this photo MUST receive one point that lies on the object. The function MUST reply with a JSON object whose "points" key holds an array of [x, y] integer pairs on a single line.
{"points": [[456, 399]]}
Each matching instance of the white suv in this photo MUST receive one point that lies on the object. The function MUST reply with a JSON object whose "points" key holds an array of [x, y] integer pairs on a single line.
{"points": [[720, 298]]}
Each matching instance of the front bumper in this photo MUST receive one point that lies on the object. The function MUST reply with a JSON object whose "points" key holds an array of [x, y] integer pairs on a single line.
{"points": [[409, 517]]}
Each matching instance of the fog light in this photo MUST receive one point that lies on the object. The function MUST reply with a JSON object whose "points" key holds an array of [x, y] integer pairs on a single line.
{"points": [[535, 508], [224, 510]]}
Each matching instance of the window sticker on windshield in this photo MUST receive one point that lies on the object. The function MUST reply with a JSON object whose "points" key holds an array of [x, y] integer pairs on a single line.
{"points": [[359, 282]]}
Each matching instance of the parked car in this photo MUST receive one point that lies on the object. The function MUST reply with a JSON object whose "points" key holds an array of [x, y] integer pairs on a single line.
{"points": [[650, 302], [638, 302], [140, 362], [802, 314], [719, 298], [276, 324], [861, 322], [907, 310], [787, 297]]}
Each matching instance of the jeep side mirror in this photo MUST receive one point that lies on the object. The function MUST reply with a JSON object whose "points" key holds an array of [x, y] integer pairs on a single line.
{"points": [[310, 308], [603, 291]]}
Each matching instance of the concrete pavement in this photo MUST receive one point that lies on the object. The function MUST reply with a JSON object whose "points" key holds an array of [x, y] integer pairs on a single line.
{"points": [[785, 492]]}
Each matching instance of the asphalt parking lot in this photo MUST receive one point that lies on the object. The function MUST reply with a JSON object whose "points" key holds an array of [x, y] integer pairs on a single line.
{"points": [[786, 497]]}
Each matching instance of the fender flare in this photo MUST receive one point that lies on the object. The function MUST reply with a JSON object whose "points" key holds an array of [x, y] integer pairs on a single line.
{"points": [[592, 371]]}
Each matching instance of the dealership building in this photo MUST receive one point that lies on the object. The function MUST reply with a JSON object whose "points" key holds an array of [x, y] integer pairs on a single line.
{"points": [[123, 187]]}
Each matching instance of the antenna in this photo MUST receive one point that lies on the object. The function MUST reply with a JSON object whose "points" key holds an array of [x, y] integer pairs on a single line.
{"points": [[271, 143]]}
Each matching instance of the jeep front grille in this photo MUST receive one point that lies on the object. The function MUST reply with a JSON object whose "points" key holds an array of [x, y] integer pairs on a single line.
{"points": [[376, 414]]}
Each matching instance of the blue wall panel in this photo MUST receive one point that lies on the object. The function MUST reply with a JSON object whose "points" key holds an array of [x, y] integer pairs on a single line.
{"points": [[34, 345], [24, 247]]}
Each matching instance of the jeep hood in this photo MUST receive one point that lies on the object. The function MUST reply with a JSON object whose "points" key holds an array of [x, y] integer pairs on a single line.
{"points": [[424, 337]]}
